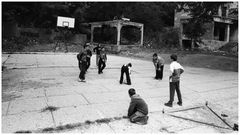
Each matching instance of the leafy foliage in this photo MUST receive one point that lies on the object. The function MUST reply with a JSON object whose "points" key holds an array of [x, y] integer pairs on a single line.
{"points": [[201, 13], [154, 15]]}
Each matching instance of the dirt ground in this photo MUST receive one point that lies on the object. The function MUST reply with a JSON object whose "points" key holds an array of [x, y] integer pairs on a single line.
{"points": [[220, 61], [213, 60]]}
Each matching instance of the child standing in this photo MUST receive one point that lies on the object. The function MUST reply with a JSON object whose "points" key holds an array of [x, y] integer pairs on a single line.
{"points": [[159, 65], [82, 64], [97, 50], [102, 61], [89, 55], [174, 80], [126, 69]]}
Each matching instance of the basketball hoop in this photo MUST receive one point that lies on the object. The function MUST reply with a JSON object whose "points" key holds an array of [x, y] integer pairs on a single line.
{"points": [[65, 22]]}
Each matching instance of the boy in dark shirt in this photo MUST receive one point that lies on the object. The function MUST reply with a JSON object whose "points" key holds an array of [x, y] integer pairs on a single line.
{"points": [[126, 69], [102, 61], [138, 109], [89, 55], [159, 65], [97, 50], [82, 64]]}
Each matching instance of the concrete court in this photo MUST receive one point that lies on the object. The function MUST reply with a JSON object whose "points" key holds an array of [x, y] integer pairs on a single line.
{"points": [[32, 82]]}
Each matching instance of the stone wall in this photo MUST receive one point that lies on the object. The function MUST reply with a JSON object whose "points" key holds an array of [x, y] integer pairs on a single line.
{"points": [[233, 33], [9, 29], [211, 44], [209, 34], [48, 35]]}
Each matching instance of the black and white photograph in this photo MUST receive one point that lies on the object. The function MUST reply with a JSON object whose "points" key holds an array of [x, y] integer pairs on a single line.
{"points": [[119, 67]]}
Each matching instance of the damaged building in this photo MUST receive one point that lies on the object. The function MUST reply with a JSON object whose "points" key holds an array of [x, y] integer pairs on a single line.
{"points": [[221, 31]]}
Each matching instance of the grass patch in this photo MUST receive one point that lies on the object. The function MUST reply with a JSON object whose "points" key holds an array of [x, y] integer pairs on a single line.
{"points": [[105, 120], [48, 129], [118, 118], [50, 108], [61, 128], [23, 131], [69, 126], [89, 122], [3, 68]]}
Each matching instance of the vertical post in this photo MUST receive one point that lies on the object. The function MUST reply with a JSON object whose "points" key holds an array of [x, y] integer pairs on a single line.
{"points": [[180, 35], [118, 33], [192, 44], [227, 33], [92, 30], [227, 12], [220, 10], [213, 28], [142, 35]]}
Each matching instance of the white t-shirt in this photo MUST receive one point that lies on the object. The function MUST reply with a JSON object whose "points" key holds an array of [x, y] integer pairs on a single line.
{"points": [[174, 65]]}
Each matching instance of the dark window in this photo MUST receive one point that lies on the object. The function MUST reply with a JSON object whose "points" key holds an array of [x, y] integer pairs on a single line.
{"points": [[224, 11]]}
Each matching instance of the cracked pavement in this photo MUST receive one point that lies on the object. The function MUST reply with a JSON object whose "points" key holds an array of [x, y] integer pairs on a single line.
{"points": [[32, 82]]}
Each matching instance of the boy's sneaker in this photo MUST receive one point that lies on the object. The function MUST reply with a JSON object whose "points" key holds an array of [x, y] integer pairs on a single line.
{"points": [[169, 104], [79, 79], [179, 103]]}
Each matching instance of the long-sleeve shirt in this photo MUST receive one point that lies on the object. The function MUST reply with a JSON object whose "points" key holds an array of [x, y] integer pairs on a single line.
{"points": [[97, 50], [137, 104], [158, 62], [89, 53], [129, 68], [175, 71], [103, 56]]}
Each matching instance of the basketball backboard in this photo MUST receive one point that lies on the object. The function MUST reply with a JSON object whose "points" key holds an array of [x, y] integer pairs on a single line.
{"points": [[65, 22]]}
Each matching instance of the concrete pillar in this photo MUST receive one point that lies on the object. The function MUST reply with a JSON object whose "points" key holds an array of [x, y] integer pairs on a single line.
{"points": [[227, 35], [192, 44], [119, 26], [227, 12], [212, 32], [92, 30], [220, 11], [141, 36], [180, 35]]}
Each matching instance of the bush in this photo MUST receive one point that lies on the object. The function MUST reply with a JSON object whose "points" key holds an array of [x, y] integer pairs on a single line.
{"points": [[167, 38], [14, 44], [171, 38]]}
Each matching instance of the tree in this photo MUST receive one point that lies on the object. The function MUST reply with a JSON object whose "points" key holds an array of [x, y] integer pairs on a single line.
{"points": [[201, 13]]}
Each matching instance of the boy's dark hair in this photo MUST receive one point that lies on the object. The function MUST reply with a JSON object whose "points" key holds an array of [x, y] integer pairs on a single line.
{"points": [[130, 64], [155, 55], [131, 92], [173, 57]]}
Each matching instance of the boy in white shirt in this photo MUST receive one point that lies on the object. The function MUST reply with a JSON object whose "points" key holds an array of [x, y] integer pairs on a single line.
{"points": [[174, 80]]}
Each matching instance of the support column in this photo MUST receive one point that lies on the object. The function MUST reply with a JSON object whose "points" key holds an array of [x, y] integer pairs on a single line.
{"points": [[119, 26], [92, 30], [213, 28], [220, 11], [180, 35], [227, 33], [141, 35], [192, 44]]}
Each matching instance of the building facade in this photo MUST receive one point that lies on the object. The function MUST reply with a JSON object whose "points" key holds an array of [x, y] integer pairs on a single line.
{"points": [[222, 29]]}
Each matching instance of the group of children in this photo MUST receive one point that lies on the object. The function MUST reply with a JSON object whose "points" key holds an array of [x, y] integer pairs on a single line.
{"points": [[138, 109], [84, 60]]}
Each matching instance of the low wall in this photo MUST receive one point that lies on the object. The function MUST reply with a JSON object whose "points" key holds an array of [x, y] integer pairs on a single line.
{"points": [[117, 48], [211, 44], [49, 35]]}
